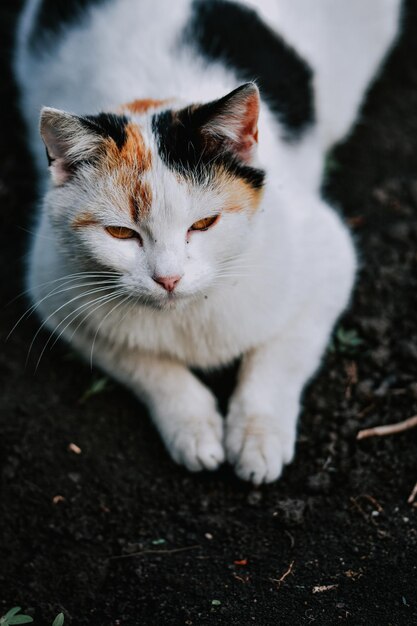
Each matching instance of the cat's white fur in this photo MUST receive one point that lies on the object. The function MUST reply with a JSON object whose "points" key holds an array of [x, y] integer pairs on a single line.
{"points": [[295, 264]]}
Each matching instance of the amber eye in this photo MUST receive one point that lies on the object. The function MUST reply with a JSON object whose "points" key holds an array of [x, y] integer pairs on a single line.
{"points": [[205, 223], [120, 232]]}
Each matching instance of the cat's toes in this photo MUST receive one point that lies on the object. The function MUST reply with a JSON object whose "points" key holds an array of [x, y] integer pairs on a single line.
{"points": [[259, 451], [198, 444]]}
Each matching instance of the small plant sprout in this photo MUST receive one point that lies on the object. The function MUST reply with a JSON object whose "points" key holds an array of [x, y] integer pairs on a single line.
{"points": [[96, 387], [345, 341], [12, 617]]}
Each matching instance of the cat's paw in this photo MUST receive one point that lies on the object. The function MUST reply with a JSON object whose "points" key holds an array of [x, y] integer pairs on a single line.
{"points": [[198, 443], [258, 449]]}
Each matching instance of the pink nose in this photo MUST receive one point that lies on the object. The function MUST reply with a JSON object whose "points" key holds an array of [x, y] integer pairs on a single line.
{"points": [[167, 282]]}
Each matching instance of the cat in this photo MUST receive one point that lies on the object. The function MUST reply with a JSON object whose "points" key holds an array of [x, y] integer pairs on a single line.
{"points": [[181, 223]]}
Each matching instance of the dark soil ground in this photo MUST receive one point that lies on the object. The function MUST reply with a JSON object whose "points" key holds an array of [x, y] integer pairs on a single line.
{"points": [[134, 539]]}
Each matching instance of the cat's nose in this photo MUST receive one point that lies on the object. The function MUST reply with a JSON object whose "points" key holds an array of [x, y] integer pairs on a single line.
{"points": [[167, 282]]}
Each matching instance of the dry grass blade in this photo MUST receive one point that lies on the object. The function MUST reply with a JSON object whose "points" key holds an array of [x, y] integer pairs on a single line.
{"points": [[389, 429], [412, 495]]}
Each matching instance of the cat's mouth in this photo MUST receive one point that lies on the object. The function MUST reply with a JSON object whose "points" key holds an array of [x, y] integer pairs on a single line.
{"points": [[173, 301], [166, 301]]}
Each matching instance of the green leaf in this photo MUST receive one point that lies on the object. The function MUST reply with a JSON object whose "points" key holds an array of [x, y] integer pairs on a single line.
{"points": [[158, 542], [345, 341], [59, 620], [21, 619], [96, 387], [12, 612]]}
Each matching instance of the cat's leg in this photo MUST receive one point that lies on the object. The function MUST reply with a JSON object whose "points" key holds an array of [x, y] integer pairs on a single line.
{"points": [[182, 408], [262, 418]]}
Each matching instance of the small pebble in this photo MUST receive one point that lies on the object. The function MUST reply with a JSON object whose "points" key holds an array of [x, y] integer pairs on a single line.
{"points": [[72, 447], [254, 497]]}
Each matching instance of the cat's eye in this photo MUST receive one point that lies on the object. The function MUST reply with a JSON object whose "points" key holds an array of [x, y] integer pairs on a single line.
{"points": [[121, 232], [205, 223]]}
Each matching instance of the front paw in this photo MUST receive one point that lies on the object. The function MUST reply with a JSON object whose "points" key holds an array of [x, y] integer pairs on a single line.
{"points": [[258, 447], [197, 442]]}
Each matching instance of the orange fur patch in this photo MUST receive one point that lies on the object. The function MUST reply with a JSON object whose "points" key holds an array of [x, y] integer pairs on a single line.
{"points": [[141, 200], [126, 166], [143, 106], [239, 193], [84, 219], [134, 153]]}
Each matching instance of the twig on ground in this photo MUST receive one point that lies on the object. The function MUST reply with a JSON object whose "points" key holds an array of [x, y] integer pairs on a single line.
{"points": [[389, 429], [412, 495], [279, 581], [373, 501], [173, 551], [321, 588]]}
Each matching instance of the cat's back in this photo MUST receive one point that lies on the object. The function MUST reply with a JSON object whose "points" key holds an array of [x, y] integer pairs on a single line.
{"points": [[87, 55], [311, 60], [84, 54]]}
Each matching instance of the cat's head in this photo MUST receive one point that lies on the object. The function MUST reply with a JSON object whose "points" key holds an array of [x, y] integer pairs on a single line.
{"points": [[162, 195]]}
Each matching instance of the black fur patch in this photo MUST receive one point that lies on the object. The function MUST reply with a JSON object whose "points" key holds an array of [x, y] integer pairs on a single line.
{"points": [[183, 147], [54, 16], [107, 125], [232, 33]]}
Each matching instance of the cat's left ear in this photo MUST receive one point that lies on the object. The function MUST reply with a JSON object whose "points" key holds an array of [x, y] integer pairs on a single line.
{"points": [[67, 142], [72, 140], [233, 121]]}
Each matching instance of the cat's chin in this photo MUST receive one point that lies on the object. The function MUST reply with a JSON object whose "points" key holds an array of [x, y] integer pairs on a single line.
{"points": [[171, 302]]}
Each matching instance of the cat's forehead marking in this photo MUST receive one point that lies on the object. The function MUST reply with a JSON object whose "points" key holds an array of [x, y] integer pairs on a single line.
{"points": [[187, 150], [142, 106], [238, 194], [134, 152], [140, 200], [126, 164], [84, 219]]}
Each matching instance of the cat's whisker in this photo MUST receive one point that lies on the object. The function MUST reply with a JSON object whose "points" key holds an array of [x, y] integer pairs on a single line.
{"points": [[56, 291], [82, 308], [82, 321], [63, 278], [78, 311], [84, 294], [73, 315], [116, 306]]}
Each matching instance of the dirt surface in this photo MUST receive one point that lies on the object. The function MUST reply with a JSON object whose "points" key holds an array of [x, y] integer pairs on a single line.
{"points": [[132, 538]]}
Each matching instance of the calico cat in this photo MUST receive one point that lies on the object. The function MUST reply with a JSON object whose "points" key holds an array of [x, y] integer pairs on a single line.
{"points": [[181, 222]]}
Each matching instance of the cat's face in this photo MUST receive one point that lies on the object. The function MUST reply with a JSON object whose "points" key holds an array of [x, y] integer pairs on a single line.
{"points": [[163, 197]]}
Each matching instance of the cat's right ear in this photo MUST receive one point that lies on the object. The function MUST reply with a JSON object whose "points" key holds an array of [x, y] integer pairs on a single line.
{"points": [[68, 142]]}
